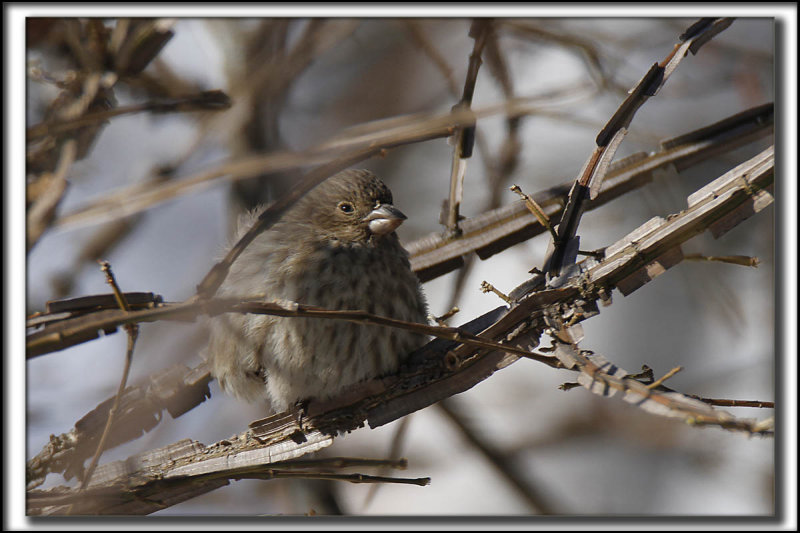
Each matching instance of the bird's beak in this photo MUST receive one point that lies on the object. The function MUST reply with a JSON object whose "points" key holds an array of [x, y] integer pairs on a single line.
{"points": [[384, 219]]}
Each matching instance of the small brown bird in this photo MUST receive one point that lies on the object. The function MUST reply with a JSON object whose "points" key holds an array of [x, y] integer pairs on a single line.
{"points": [[335, 248]]}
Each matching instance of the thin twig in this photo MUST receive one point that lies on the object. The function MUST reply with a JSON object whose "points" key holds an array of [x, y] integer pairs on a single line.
{"points": [[105, 266], [442, 320], [352, 478], [444, 332], [536, 209], [735, 403], [665, 377], [743, 260], [188, 310], [98, 497], [344, 462], [133, 333], [487, 287]]}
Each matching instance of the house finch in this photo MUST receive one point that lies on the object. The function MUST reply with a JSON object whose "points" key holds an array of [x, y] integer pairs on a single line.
{"points": [[335, 248]]}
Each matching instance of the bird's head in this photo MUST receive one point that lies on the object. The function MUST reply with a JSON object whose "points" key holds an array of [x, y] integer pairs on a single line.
{"points": [[351, 207]]}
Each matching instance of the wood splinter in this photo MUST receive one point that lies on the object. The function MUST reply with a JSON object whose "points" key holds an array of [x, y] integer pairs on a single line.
{"points": [[536, 209], [487, 287]]}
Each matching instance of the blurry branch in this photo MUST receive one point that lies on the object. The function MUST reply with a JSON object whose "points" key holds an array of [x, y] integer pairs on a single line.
{"points": [[134, 43], [167, 92], [260, 82], [377, 136], [585, 48], [425, 44], [270, 66], [204, 101], [107, 237], [84, 92], [398, 439], [100, 244], [98, 57], [280, 66], [49, 160], [539, 502], [504, 164], [496, 169], [445, 367], [53, 185], [138, 198], [162, 81]]}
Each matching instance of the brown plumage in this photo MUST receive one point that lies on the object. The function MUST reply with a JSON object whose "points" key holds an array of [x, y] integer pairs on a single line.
{"points": [[336, 248]]}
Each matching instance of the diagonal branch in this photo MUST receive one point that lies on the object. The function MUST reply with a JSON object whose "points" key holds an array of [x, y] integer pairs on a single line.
{"points": [[563, 249]]}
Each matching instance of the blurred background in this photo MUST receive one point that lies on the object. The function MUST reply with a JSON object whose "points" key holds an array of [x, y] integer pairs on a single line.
{"points": [[295, 83]]}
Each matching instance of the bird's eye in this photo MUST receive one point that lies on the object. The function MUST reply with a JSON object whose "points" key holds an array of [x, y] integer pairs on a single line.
{"points": [[346, 207]]}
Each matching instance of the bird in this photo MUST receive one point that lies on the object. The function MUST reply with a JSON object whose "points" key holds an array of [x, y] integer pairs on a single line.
{"points": [[336, 248]]}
